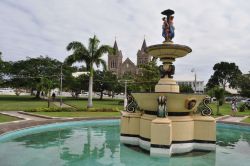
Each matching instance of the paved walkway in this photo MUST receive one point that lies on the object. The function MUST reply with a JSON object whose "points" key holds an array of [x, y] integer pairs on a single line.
{"points": [[22, 116], [233, 119]]}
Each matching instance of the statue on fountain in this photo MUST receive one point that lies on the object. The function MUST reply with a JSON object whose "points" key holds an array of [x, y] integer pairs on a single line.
{"points": [[168, 25]]}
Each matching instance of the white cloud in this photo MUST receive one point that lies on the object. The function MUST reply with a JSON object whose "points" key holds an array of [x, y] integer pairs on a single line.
{"points": [[216, 30]]}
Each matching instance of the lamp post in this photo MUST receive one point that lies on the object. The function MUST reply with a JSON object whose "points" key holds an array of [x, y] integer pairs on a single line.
{"points": [[125, 95], [61, 88], [193, 71]]}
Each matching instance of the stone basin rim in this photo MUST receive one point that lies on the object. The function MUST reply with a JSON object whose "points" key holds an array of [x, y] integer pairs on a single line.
{"points": [[169, 93], [168, 46]]}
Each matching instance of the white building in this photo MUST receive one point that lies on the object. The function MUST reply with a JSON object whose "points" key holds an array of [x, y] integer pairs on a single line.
{"points": [[198, 87], [77, 74]]}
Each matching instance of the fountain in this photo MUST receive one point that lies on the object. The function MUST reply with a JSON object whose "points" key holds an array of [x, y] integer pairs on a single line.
{"points": [[168, 122]]}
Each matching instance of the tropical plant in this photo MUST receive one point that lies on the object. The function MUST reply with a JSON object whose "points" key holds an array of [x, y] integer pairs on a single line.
{"points": [[219, 95], [90, 56]]}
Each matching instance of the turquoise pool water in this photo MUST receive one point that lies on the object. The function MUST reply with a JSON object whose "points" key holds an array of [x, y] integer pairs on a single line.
{"points": [[97, 143]]}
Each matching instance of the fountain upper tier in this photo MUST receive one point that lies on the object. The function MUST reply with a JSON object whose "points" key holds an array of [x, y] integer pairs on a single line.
{"points": [[167, 52]]}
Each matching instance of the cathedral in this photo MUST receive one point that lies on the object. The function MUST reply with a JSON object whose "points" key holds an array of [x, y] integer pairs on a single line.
{"points": [[120, 67]]}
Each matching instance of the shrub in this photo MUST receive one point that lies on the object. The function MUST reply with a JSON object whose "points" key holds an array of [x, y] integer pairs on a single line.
{"points": [[242, 107]]}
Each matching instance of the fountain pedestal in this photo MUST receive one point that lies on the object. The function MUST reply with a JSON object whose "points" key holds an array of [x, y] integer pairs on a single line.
{"points": [[167, 85]]}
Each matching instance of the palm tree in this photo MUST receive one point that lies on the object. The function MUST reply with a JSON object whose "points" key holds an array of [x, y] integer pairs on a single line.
{"points": [[90, 56]]}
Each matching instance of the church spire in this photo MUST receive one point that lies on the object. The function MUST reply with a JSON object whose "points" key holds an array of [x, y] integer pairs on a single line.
{"points": [[144, 45], [116, 47]]}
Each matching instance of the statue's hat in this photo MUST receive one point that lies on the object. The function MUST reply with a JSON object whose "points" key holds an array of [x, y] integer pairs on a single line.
{"points": [[168, 12]]}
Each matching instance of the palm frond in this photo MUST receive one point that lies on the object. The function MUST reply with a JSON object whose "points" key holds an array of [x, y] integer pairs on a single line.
{"points": [[102, 62], [102, 50], [75, 45], [93, 45]]}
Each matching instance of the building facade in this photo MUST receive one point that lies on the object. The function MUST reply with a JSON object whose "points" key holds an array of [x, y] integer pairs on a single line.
{"points": [[198, 86], [120, 67]]}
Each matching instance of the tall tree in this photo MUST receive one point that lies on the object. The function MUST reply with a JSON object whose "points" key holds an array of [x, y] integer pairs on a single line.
{"points": [[224, 73], [1, 67], [245, 85], [105, 81], [46, 86], [90, 56], [148, 76], [28, 74]]}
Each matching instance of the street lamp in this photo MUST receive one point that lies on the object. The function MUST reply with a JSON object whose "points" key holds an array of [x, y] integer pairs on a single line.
{"points": [[125, 98], [193, 71], [61, 88], [125, 92]]}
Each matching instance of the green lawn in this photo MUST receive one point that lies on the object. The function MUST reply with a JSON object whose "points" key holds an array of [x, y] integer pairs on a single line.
{"points": [[247, 120], [225, 109], [21, 103], [80, 114], [5, 118], [105, 103]]}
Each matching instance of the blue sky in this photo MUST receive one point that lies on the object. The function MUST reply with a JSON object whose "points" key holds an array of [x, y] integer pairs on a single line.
{"points": [[216, 30]]}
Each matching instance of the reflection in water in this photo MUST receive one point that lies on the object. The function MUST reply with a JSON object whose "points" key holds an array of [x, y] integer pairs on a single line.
{"points": [[100, 145]]}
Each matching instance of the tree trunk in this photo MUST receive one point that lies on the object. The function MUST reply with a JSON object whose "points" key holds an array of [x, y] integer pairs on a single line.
{"points": [[48, 103], [90, 103], [48, 99], [38, 94], [218, 107], [101, 96], [31, 91]]}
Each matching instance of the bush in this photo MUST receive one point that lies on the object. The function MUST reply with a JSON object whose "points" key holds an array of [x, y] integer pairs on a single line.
{"points": [[242, 107]]}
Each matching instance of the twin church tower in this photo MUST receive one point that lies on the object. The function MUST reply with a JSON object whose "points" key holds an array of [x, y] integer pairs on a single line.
{"points": [[120, 67]]}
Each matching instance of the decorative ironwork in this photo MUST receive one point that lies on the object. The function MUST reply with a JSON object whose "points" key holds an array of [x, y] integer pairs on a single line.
{"points": [[162, 106], [205, 110], [132, 105]]}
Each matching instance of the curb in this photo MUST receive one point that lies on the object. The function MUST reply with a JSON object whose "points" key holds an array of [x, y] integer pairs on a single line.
{"points": [[19, 117], [35, 115], [235, 123], [15, 121], [222, 117], [49, 121]]}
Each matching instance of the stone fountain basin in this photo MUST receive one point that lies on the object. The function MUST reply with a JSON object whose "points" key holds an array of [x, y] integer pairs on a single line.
{"points": [[168, 50], [175, 101]]}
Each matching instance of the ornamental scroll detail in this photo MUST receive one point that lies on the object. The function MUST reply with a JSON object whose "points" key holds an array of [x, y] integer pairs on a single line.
{"points": [[132, 105], [204, 109]]}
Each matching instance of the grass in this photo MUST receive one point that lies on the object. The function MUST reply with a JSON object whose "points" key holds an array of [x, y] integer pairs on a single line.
{"points": [[5, 118], [247, 120], [105, 103], [80, 114], [225, 109], [21, 103]]}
